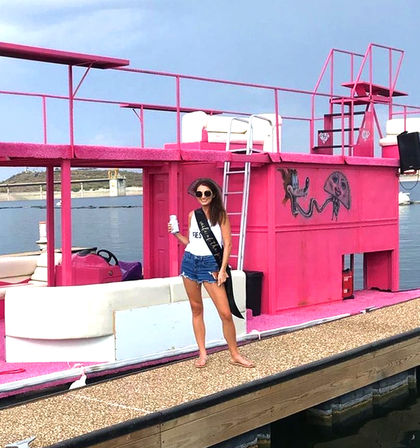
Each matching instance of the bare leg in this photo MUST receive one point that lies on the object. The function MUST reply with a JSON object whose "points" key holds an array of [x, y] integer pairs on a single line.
{"points": [[193, 290], [218, 295]]}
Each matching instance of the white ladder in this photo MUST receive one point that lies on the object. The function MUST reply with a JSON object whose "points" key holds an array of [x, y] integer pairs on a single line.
{"points": [[245, 171]]}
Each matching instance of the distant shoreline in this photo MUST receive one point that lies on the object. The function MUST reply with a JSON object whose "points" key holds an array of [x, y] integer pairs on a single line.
{"points": [[36, 195]]}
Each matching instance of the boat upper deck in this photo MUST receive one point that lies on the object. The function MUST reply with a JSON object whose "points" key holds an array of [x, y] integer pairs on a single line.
{"points": [[38, 154], [199, 132]]}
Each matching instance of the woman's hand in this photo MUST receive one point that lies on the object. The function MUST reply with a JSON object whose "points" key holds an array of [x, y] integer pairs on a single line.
{"points": [[222, 276], [181, 238]]}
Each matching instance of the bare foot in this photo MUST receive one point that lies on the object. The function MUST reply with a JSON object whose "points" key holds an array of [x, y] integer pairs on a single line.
{"points": [[241, 362], [200, 362]]}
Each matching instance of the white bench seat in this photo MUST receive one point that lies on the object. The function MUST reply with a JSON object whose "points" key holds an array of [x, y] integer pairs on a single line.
{"points": [[81, 318], [199, 126], [396, 126], [15, 270]]}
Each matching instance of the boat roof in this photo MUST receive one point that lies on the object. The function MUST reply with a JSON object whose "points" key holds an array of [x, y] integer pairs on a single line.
{"points": [[59, 57]]}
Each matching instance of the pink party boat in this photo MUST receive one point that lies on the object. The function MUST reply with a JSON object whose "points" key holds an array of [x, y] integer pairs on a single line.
{"points": [[305, 192]]}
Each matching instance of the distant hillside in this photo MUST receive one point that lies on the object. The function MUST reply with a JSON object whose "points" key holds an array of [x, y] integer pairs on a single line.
{"points": [[133, 179]]}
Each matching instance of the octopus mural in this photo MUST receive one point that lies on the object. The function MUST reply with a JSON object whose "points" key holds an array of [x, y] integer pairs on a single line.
{"points": [[336, 186]]}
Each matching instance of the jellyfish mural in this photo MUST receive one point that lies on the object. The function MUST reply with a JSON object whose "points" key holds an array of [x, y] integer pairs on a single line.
{"points": [[336, 186]]}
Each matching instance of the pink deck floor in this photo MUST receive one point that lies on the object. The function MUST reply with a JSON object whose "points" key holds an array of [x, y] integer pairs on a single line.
{"points": [[364, 300]]}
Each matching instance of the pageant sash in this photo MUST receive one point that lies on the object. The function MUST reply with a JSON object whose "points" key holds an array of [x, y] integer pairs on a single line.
{"points": [[217, 252]]}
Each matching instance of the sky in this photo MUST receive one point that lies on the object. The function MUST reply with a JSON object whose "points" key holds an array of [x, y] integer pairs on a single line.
{"points": [[282, 43]]}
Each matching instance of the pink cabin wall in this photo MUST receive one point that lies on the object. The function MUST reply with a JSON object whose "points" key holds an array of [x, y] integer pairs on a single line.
{"points": [[300, 256], [156, 211]]}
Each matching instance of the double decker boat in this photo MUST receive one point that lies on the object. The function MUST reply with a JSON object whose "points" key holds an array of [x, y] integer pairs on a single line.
{"points": [[304, 194]]}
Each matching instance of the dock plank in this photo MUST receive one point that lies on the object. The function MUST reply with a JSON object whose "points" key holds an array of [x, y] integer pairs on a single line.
{"points": [[147, 438]]}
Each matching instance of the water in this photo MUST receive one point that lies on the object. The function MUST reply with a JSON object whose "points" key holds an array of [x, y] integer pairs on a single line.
{"points": [[410, 239], [116, 224], [409, 243], [395, 428], [107, 223]]}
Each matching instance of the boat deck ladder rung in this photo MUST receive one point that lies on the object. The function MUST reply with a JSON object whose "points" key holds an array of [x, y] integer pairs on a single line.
{"points": [[232, 192], [236, 172]]}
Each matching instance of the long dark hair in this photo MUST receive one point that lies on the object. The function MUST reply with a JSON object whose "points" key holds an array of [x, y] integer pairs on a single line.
{"points": [[217, 209]]}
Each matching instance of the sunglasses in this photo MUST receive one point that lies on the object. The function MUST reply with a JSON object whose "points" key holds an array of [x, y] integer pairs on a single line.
{"points": [[206, 193]]}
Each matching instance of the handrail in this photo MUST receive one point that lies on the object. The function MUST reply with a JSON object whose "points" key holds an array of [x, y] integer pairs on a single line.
{"points": [[359, 73], [56, 182], [369, 55], [405, 112], [328, 62], [243, 120], [367, 61], [367, 58], [276, 89], [169, 108], [325, 66], [218, 81]]}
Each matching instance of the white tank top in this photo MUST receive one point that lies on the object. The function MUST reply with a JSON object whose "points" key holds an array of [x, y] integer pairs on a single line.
{"points": [[197, 245]]}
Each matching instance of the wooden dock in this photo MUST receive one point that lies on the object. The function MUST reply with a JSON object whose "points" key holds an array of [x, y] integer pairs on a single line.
{"points": [[179, 406]]}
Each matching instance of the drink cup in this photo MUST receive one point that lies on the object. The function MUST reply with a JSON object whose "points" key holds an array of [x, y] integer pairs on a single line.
{"points": [[173, 221]]}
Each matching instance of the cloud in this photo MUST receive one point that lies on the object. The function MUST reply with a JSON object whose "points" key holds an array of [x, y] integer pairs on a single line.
{"points": [[25, 8], [97, 26]]}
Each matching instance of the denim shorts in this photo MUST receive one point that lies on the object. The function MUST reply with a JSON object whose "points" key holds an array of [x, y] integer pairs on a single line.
{"points": [[199, 268]]}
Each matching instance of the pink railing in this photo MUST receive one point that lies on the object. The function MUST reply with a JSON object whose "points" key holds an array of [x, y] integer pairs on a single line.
{"points": [[179, 108], [329, 63], [405, 112], [350, 99], [368, 59]]}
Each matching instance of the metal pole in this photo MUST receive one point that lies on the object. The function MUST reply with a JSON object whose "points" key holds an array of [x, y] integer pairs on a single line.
{"points": [[71, 110], [142, 125], [178, 112], [173, 210], [50, 226], [66, 221], [276, 106], [44, 117], [66, 243]]}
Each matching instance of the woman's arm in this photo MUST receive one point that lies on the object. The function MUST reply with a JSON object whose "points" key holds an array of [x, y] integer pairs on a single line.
{"points": [[227, 247], [183, 239]]}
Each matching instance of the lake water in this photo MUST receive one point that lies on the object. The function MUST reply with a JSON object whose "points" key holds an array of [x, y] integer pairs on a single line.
{"points": [[116, 224], [107, 223], [394, 428]]}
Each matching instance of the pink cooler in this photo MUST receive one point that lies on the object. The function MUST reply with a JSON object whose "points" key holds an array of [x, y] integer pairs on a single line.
{"points": [[89, 269]]}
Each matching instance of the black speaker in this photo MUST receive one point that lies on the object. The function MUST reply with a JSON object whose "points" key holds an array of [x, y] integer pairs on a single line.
{"points": [[253, 291], [409, 149]]}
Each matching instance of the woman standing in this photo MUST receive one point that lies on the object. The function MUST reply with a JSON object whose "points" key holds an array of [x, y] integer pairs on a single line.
{"points": [[199, 266]]}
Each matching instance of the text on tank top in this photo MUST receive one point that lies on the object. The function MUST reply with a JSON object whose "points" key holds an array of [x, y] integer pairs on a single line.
{"points": [[197, 244]]}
